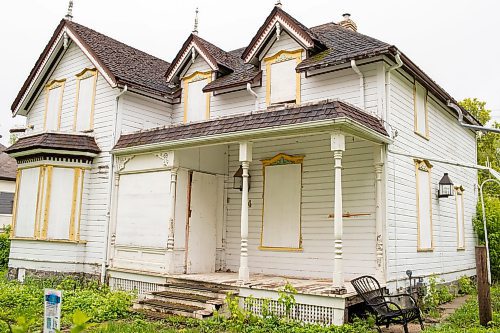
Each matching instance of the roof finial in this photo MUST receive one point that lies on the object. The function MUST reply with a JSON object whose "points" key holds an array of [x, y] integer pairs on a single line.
{"points": [[278, 4], [69, 14], [195, 29]]}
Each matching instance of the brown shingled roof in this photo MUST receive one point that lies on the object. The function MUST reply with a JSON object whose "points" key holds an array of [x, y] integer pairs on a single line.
{"points": [[123, 63], [291, 115], [56, 141], [8, 165]]}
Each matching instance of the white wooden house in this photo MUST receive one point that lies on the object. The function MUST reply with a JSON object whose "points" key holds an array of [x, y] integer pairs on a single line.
{"points": [[7, 187], [312, 154]]}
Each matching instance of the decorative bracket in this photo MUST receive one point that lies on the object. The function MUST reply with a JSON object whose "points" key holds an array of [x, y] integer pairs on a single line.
{"points": [[278, 30], [193, 55], [122, 161]]}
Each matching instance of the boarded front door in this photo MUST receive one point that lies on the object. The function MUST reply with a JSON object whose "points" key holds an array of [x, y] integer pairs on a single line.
{"points": [[202, 224]]}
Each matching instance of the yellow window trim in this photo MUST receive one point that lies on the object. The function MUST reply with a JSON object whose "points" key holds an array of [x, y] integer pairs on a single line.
{"points": [[47, 202], [48, 87], [16, 199], [83, 75], [415, 112], [74, 200], [65, 241], [426, 166], [281, 159], [282, 56], [39, 199], [196, 76], [459, 191]]}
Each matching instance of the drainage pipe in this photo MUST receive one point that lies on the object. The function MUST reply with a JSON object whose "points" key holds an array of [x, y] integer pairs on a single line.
{"points": [[254, 94], [361, 84], [474, 127]]}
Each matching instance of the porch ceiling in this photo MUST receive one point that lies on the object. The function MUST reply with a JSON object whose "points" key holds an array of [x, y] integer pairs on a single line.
{"points": [[309, 118]]}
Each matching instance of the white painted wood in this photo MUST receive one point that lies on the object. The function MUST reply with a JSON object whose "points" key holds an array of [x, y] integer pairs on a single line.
{"points": [[424, 209], [61, 197], [197, 101], [27, 201], [84, 113], [143, 209], [202, 224], [420, 105], [53, 105], [282, 193], [460, 220], [283, 81]]}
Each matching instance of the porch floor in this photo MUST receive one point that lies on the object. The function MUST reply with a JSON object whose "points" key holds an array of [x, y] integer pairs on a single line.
{"points": [[306, 286]]}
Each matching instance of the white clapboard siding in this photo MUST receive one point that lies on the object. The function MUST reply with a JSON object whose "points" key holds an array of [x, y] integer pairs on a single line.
{"points": [[140, 113], [96, 187], [316, 259], [446, 140]]}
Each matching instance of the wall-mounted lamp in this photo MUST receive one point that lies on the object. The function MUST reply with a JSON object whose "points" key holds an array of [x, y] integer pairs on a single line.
{"points": [[238, 179], [445, 187]]}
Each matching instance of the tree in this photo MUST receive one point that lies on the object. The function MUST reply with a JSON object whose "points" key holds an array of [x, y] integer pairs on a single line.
{"points": [[488, 152]]}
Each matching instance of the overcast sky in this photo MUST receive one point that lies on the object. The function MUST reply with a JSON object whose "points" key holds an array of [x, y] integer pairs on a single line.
{"points": [[454, 41]]}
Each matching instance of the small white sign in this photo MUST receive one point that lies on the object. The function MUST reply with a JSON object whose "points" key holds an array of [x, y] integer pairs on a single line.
{"points": [[52, 311]]}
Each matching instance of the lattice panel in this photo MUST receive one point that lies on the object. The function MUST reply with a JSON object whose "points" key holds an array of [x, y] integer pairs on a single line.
{"points": [[303, 312], [129, 285]]}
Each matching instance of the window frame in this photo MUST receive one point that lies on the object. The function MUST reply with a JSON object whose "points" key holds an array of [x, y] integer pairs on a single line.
{"points": [[415, 110], [459, 195], [281, 56], [85, 74], [43, 203], [57, 83], [194, 77], [11, 195], [281, 159], [425, 166]]}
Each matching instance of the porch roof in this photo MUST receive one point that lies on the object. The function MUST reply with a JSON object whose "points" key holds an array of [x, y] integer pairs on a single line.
{"points": [[324, 113]]}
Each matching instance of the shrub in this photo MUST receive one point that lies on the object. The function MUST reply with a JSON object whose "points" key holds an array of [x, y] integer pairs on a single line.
{"points": [[437, 294], [492, 208], [4, 248]]}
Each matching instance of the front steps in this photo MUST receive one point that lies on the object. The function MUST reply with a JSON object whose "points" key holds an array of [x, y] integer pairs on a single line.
{"points": [[187, 298]]}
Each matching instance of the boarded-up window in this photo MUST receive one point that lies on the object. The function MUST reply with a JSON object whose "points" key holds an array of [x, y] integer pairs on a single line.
{"points": [[424, 206], [53, 104], [460, 219], [26, 207], [85, 98], [196, 102], [62, 203], [283, 85], [282, 202], [6, 202], [282, 81], [143, 209], [421, 115]]}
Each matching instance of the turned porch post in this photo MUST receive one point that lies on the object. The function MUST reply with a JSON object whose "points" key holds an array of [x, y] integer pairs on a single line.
{"points": [[338, 147], [171, 221], [245, 159], [378, 159]]}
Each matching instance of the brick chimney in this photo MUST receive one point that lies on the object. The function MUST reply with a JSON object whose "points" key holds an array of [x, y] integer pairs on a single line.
{"points": [[348, 23]]}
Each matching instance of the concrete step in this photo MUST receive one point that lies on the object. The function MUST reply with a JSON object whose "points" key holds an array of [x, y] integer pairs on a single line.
{"points": [[171, 308], [209, 303]]}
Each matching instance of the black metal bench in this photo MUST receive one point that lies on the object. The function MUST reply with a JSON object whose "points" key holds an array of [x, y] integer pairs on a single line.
{"points": [[387, 312]]}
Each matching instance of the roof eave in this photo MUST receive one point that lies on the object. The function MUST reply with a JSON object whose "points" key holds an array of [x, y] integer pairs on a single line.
{"points": [[342, 123]]}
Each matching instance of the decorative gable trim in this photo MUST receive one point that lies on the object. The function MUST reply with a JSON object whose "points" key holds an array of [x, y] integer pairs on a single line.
{"points": [[284, 23], [184, 55], [48, 56]]}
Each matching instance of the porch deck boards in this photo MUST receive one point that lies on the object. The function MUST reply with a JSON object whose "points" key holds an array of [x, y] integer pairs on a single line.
{"points": [[306, 286]]}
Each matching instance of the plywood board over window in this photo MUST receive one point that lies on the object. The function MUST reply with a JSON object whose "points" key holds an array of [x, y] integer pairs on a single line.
{"points": [[196, 102], [424, 205], [26, 203], [53, 104], [459, 191], [282, 81], [420, 109], [281, 216], [85, 99]]}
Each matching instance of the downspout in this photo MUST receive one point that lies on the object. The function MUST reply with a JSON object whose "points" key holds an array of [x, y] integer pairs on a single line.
{"points": [[361, 84], [254, 94], [474, 127], [398, 64], [110, 190]]}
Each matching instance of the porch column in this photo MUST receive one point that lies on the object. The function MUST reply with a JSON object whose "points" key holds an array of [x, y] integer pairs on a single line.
{"points": [[171, 221], [245, 159], [338, 147], [378, 159]]}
